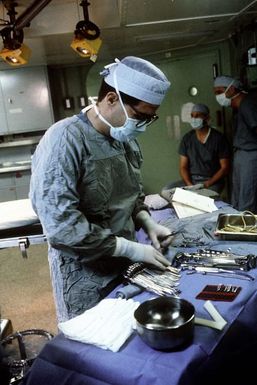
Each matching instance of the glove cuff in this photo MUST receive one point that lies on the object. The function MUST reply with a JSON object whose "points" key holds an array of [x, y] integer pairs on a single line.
{"points": [[145, 220], [121, 247]]}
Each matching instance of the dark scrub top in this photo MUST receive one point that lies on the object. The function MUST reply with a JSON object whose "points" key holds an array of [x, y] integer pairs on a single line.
{"points": [[204, 158], [245, 124], [244, 180]]}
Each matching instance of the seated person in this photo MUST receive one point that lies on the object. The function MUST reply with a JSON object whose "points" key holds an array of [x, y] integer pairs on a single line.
{"points": [[204, 154]]}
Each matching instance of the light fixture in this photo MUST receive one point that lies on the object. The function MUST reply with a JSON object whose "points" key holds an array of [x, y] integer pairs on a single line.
{"points": [[86, 40], [14, 51], [16, 57]]}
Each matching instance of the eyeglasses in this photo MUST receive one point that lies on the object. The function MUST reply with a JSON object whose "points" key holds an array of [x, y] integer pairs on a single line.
{"points": [[143, 118]]}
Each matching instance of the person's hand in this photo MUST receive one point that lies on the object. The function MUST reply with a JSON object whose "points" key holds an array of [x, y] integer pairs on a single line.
{"points": [[206, 184], [193, 187], [160, 235], [137, 252]]}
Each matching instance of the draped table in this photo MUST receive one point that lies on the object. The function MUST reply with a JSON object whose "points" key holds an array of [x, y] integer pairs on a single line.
{"points": [[214, 356]]}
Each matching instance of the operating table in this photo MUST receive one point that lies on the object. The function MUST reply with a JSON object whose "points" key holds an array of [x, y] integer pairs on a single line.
{"points": [[19, 226]]}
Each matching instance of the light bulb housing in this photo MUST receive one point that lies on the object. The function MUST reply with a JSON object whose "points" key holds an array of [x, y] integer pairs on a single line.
{"points": [[16, 57], [86, 48]]}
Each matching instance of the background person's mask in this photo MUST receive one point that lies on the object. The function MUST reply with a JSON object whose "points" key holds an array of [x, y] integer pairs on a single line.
{"points": [[223, 100], [196, 123]]}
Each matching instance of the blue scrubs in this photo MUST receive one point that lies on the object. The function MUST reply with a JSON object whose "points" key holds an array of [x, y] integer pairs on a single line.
{"points": [[86, 189]]}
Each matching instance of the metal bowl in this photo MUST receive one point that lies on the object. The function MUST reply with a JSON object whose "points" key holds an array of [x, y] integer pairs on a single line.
{"points": [[165, 323]]}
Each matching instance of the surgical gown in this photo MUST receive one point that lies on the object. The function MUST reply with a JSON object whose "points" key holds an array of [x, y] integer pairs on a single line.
{"points": [[86, 188]]}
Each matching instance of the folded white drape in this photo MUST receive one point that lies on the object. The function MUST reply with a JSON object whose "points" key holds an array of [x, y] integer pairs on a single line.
{"points": [[107, 325]]}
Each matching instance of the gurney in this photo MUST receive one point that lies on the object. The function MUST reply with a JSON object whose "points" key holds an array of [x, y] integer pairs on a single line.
{"points": [[19, 226]]}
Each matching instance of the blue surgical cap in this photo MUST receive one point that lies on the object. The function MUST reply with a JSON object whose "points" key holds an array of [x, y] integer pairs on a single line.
{"points": [[201, 108], [225, 81], [138, 78]]}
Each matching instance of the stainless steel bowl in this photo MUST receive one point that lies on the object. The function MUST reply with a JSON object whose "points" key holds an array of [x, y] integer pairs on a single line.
{"points": [[165, 323]]}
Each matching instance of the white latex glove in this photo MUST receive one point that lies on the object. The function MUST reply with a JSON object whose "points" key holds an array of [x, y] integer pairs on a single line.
{"points": [[137, 252], [158, 234], [197, 186]]}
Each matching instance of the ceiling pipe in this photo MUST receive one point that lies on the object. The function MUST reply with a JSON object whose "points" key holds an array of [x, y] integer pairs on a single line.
{"points": [[243, 10], [25, 18], [181, 19]]}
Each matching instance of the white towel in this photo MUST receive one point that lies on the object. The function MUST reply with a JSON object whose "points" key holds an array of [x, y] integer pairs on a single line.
{"points": [[155, 201], [107, 325]]}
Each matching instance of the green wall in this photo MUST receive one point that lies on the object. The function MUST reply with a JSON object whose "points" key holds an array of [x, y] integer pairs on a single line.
{"points": [[160, 142], [68, 82]]}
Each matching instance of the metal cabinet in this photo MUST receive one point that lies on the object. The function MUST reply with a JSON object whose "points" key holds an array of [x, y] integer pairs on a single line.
{"points": [[7, 187], [15, 167], [22, 181], [25, 102], [3, 118], [14, 185]]}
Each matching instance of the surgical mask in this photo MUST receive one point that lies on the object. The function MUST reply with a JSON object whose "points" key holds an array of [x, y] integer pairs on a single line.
{"points": [[222, 98], [125, 133], [130, 129], [196, 123]]}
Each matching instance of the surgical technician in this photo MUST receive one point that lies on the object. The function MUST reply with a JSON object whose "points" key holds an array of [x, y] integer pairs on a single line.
{"points": [[203, 154], [229, 93], [86, 188]]}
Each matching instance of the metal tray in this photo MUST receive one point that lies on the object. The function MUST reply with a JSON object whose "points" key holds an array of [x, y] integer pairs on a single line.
{"points": [[236, 220]]}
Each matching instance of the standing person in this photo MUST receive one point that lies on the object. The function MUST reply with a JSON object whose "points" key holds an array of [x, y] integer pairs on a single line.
{"points": [[229, 93], [86, 188], [203, 154]]}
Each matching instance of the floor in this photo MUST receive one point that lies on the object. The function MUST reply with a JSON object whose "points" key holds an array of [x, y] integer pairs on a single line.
{"points": [[25, 289]]}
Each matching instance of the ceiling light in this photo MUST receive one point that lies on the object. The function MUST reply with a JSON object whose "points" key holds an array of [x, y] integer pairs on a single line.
{"points": [[86, 41], [14, 52], [16, 57], [86, 48]]}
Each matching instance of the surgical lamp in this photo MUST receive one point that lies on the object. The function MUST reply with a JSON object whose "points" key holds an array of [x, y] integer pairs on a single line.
{"points": [[14, 52], [86, 40]]}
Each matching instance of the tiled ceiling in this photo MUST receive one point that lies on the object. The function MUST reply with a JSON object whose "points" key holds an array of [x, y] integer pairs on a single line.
{"points": [[133, 27]]}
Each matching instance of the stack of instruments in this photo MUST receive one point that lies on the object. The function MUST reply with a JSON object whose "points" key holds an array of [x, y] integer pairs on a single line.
{"points": [[216, 262], [160, 282]]}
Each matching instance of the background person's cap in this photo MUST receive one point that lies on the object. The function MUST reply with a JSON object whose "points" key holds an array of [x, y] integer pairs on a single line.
{"points": [[225, 81], [201, 108]]}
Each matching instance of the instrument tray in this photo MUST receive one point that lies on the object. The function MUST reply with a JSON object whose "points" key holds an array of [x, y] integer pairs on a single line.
{"points": [[238, 227]]}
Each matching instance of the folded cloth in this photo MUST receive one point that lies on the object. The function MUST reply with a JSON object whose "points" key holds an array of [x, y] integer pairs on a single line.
{"points": [[128, 291], [107, 325], [155, 201]]}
